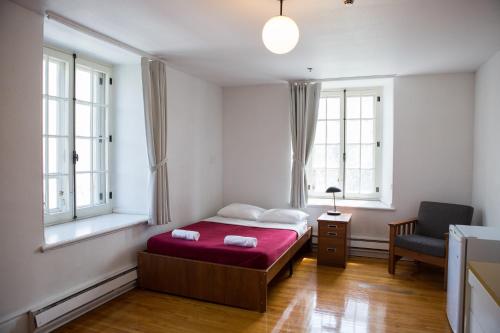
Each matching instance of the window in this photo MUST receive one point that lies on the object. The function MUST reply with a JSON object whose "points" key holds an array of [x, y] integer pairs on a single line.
{"points": [[75, 137], [346, 146]]}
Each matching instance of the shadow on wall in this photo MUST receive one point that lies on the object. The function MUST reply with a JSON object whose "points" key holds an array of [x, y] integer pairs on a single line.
{"points": [[477, 219]]}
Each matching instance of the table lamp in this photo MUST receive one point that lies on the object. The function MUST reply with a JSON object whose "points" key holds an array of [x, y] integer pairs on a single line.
{"points": [[333, 189]]}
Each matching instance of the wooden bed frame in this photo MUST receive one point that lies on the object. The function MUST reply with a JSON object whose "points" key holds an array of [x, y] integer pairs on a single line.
{"points": [[230, 285]]}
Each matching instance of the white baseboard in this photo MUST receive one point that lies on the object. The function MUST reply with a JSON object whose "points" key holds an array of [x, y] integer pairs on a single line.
{"points": [[17, 324], [84, 309]]}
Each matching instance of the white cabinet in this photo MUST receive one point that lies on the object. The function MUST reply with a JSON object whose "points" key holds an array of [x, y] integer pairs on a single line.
{"points": [[482, 310]]}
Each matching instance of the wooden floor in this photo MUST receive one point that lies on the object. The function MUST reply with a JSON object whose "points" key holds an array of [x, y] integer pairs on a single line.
{"points": [[361, 298]]}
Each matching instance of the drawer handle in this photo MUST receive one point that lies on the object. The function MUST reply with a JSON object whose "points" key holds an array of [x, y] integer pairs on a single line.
{"points": [[332, 233], [331, 249], [332, 226]]}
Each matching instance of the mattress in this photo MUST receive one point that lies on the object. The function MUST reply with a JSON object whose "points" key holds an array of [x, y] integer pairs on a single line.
{"points": [[272, 243]]}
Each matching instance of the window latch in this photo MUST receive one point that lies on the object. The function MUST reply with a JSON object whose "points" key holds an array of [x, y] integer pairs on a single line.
{"points": [[75, 157]]}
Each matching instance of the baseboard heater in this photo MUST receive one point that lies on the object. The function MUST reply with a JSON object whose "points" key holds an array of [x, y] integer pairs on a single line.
{"points": [[367, 247], [62, 311]]}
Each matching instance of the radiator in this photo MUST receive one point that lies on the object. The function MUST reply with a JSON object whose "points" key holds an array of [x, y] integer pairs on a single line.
{"points": [[62, 311]]}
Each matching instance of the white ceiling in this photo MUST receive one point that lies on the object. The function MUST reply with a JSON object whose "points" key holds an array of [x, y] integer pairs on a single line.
{"points": [[220, 40], [62, 37]]}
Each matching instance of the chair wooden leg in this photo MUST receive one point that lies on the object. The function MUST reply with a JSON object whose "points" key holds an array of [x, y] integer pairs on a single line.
{"points": [[391, 263], [393, 259]]}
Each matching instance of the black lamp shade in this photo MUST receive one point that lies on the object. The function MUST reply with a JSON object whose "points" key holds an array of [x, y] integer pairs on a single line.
{"points": [[333, 189]]}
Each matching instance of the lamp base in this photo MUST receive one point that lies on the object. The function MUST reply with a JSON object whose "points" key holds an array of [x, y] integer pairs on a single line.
{"points": [[333, 212]]}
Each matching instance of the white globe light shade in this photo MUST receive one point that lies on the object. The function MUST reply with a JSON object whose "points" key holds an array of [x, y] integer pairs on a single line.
{"points": [[280, 34]]}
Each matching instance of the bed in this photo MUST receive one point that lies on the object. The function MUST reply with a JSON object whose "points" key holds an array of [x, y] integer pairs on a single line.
{"points": [[211, 271]]}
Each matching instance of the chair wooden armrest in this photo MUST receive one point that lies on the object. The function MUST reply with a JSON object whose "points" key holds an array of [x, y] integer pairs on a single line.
{"points": [[406, 227], [411, 221]]}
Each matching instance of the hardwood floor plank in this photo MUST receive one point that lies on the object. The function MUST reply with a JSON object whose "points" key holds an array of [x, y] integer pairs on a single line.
{"points": [[361, 298]]}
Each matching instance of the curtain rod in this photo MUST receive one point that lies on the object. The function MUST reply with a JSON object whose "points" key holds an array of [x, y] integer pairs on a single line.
{"points": [[88, 31], [351, 78], [390, 76]]}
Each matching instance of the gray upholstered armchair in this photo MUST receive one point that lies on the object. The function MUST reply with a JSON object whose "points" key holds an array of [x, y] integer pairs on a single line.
{"points": [[426, 238]]}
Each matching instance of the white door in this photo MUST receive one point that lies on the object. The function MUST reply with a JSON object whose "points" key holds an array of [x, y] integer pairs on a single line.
{"points": [[456, 277]]}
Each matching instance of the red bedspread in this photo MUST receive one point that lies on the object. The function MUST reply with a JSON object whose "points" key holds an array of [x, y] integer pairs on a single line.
{"points": [[272, 243]]}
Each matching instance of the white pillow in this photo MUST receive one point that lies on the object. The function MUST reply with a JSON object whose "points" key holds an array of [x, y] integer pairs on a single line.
{"points": [[241, 211], [293, 216]]}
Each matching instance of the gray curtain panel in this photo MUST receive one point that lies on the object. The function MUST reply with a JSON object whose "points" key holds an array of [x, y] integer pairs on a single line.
{"points": [[304, 102], [154, 85]]}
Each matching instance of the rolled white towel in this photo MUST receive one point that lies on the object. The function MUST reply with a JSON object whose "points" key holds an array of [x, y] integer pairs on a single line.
{"points": [[186, 234], [240, 241]]}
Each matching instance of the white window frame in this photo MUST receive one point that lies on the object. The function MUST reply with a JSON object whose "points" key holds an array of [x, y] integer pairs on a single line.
{"points": [[378, 107], [53, 218], [95, 210]]}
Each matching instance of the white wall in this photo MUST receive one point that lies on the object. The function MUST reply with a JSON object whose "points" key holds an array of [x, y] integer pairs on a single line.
{"points": [[130, 177], [433, 117], [486, 193], [257, 149], [30, 278]]}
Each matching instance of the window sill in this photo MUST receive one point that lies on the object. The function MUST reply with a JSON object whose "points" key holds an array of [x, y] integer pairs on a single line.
{"points": [[358, 204], [73, 232]]}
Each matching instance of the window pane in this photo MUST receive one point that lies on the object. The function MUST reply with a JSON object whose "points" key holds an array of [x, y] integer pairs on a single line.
{"points": [[44, 154], [352, 180], [44, 115], [82, 120], [57, 118], [318, 156], [99, 88], [333, 107], [332, 178], [333, 156], [367, 181], [58, 195], [352, 154], [322, 108], [84, 151], [44, 75], [367, 161], [367, 131], [45, 202], [99, 188], [82, 84], [83, 189], [58, 155], [333, 131], [320, 132], [99, 155], [57, 78], [367, 107], [353, 107], [52, 193], [318, 183], [99, 122], [352, 131]]}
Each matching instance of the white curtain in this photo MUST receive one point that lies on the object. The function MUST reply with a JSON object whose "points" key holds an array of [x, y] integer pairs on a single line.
{"points": [[304, 102], [154, 85]]}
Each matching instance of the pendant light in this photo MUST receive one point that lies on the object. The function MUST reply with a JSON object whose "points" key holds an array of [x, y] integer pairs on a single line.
{"points": [[280, 34]]}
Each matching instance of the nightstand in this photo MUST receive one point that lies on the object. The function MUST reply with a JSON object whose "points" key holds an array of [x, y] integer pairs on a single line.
{"points": [[333, 239]]}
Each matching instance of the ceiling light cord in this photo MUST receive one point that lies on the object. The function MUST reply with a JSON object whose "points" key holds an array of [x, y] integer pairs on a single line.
{"points": [[281, 7]]}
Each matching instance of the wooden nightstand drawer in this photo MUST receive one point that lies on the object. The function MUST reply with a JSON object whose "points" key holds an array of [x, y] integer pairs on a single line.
{"points": [[331, 252], [331, 230]]}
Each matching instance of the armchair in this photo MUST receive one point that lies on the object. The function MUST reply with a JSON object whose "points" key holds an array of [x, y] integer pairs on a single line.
{"points": [[425, 238]]}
